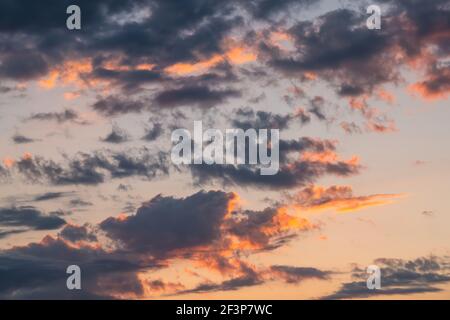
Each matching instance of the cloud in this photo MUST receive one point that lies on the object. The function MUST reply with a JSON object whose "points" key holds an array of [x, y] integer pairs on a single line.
{"points": [[116, 136], [315, 159], [339, 198], [51, 196], [297, 274], [29, 217], [92, 169], [248, 280], [194, 96], [337, 51], [398, 277], [75, 233], [350, 127], [143, 32], [251, 276], [266, 9], [153, 133], [206, 228], [7, 233], [165, 224], [247, 118], [59, 117], [80, 203], [356, 60], [38, 271], [113, 106], [436, 86], [129, 80], [22, 66], [20, 139]]}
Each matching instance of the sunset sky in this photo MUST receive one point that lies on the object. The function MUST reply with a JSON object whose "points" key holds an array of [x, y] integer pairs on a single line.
{"points": [[86, 178]]}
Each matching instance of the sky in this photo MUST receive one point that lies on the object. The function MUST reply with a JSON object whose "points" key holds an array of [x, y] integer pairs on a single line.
{"points": [[86, 177]]}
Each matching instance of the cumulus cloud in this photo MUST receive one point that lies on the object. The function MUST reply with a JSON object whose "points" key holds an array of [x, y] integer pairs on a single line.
{"points": [[154, 132], [202, 228], [165, 224]]}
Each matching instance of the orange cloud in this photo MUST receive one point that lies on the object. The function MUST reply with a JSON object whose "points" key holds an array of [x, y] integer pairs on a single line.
{"points": [[235, 55], [381, 127], [68, 73], [239, 55], [9, 162], [283, 221], [327, 156], [436, 87], [50, 81], [337, 198]]}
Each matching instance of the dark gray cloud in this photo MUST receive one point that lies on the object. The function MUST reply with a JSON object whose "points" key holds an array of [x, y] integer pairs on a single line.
{"points": [[293, 172], [398, 277], [130, 80], [116, 136], [20, 139], [7, 233], [165, 224], [316, 108], [77, 203], [159, 36], [159, 230], [163, 33], [154, 132], [113, 106], [3, 172], [292, 274], [38, 271], [92, 169], [350, 127], [59, 117], [77, 233], [30, 217], [23, 66], [51, 196], [341, 52], [194, 96], [251, 277], [247, 118], [266, 9], [356, 60]]}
